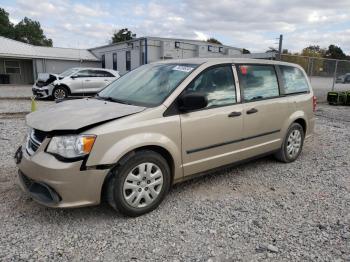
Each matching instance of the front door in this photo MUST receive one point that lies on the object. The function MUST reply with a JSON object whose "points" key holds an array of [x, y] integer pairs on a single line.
{"points": [[76, 83], [212, 136], [92, 82]]}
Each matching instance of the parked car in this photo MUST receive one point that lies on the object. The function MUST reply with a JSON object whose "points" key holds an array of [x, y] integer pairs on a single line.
{"points": [[343, 78], [161, 124], [75, 81]]}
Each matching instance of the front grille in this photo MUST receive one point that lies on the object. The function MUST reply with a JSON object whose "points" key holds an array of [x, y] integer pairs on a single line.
{"points": [[39, 135], [36, 137], [32, 145], [40, 84]]}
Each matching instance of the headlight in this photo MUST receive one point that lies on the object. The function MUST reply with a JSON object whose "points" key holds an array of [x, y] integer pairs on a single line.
{"points": [[72, 146], [27, 136]]}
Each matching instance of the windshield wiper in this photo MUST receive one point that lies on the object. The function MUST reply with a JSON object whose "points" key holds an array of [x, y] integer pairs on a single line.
{"points": [[112, 99]]}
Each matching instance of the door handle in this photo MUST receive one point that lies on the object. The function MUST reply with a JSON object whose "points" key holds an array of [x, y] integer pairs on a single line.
{"points": [[252, 111], [87, 80], [234, 114]]}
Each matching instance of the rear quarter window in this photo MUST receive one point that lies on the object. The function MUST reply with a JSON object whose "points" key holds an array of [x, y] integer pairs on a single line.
{"points": [[293, 80]]}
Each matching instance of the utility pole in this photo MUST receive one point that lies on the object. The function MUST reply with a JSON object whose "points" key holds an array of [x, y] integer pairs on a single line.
{"points": [[280, 47]]}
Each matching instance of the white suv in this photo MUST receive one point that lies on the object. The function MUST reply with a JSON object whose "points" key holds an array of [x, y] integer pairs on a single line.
{"points": [[75, 81]]}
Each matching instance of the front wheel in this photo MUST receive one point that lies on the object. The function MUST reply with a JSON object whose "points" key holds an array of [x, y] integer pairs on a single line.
{"points": [[140, 184], [292, 144], [60, 92]]}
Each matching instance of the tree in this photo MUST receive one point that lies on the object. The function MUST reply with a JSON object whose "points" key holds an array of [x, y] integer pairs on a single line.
{"points": [[6, 27], [214, 41], [122, 35], [245, 51], [272, 50], [29, 31], [313, 51], [335, 52]]}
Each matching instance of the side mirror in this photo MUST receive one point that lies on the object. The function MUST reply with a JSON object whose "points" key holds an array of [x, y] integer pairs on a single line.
{"points": [[74, 76], [192, 101]]}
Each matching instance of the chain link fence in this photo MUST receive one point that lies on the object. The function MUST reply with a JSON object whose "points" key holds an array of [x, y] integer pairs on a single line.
{"points": [[324, 74]]}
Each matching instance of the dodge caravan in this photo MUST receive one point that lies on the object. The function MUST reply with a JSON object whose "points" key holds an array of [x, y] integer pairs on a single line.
{"points": [[160, 124]]}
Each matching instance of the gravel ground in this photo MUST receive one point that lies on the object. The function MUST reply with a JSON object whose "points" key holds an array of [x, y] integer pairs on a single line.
{"points": [[20, 106], [262, 210], [15, 91]]}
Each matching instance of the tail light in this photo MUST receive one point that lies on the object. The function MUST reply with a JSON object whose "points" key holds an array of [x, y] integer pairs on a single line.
{"points": [[314, 103]]}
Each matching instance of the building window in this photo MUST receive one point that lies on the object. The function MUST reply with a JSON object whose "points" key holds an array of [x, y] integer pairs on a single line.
{"points": [[177, 44], [128, 60], [12, 67], [210, 48], [143, 58], [115, 63], [103, 58], [221, 49]]}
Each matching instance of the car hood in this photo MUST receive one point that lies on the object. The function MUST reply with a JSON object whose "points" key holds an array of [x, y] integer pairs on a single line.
{"points": [[76, 114]]}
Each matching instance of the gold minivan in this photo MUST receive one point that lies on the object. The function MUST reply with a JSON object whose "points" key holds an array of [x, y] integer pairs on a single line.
{"points": [[160, 124]]}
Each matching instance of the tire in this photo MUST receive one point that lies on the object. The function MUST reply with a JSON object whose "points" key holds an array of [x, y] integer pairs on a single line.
{"points": [[292, 144], [133, 193], [60, 92]]}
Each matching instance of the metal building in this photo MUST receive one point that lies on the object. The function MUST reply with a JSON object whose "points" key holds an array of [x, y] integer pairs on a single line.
{"points": [[20, 63], [128, 55], [125, 56]]}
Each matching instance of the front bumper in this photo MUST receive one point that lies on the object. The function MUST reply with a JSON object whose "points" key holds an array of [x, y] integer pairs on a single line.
{"points": [[68, 185], [42, 92]]}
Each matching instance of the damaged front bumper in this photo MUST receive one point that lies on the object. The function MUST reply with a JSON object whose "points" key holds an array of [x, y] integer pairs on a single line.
{"points": [[42, 92], [53, 183]]}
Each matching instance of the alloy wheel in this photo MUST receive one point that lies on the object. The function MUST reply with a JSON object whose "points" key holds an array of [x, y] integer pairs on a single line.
{"points": [[59, 93]]}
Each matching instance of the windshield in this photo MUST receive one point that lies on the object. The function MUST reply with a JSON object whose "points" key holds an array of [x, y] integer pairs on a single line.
{"points": [[148, 85], [68, 72]]}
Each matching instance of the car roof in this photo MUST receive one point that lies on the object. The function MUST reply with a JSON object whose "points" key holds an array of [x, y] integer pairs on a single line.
{"points": [[224, 60], [94, 68]]}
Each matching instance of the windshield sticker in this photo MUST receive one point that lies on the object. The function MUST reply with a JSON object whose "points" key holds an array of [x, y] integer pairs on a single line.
{"points": [[183, 68]]}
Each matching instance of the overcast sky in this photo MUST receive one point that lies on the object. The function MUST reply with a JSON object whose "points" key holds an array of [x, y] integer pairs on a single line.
{"points": [[251, 24]]}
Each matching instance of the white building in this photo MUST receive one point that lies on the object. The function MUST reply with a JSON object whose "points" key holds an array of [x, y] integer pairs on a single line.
{"points": [[125, 56]]}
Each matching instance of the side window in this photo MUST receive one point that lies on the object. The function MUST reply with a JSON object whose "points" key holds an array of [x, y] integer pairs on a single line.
{"points": [[217, 84], [101, 73], [108, 74], [258, 82], [293, 79], [84, 73]]}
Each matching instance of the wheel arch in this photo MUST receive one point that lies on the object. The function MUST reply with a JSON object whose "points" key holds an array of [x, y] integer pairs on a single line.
{"points": [[61, 85], [296, 117], [155, 148], [302, 122]]}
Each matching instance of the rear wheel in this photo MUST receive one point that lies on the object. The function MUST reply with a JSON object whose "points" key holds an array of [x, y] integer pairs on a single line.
{"points": [[140, 184], [292, 144], [60, 92]]}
